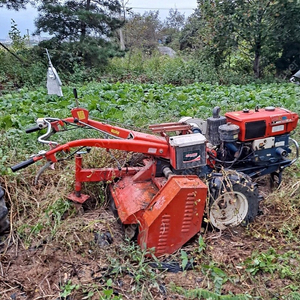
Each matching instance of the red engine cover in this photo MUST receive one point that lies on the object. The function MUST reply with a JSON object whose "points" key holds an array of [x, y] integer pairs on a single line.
{"points": [[261, 123]]}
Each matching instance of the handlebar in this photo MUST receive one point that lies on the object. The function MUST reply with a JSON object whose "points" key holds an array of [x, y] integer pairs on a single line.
{"points": [[47, 123], [41, 124], [23, 164]]}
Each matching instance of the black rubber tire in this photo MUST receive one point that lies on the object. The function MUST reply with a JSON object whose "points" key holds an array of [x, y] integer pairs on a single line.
{"points": [[239, 183], [4, 223]]}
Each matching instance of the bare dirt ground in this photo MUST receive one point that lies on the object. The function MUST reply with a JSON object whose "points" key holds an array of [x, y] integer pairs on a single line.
{"points": [[88, 258]]}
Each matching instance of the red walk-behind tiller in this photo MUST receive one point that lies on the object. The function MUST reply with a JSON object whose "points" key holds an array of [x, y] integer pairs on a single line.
{"points": [[205, 166]]}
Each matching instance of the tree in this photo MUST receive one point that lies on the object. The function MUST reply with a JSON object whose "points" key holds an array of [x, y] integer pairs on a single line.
{"points": [[209, 30], [217, 33], [122, 17], [259, 27], [172, 27], [143, 31], [14, 4], [266, 25], [73, 20], [18, 42], [288, 40], [190, 34], [175, 20], [81, 29]]}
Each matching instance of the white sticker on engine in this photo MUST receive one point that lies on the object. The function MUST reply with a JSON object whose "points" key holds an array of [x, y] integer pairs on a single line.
{"points": [[279, 144], [277, 128], [152, 150]]}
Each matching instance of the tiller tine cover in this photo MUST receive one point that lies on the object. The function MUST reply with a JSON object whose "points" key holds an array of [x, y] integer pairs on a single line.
{"points": [[132, 198], [174, 215]]}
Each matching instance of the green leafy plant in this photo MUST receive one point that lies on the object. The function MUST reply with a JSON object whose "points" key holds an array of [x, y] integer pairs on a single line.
{"points": [[199, 293], [265, 262], [201, 244], [286, 264], [218, 276], [108, 293], [56, 212], [185, 260], [68, 288]]}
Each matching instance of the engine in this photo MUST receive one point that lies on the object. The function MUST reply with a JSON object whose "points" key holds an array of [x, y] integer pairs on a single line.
{"points": [[255, 142]]}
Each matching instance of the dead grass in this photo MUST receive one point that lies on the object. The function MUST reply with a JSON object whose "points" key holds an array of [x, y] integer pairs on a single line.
{"points": [[52, 246]]}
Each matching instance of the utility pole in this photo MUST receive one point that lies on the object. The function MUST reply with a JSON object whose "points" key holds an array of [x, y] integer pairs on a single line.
{"points": [[28, 37]]}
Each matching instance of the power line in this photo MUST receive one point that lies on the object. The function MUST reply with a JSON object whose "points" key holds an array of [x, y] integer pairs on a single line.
{"points": [[163, 8]]}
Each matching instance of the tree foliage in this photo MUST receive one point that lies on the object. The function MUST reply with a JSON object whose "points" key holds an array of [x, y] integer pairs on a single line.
{"points": [[143, 31], [14, 4], [261, 29], [80, 30], [189, 38], [146, 31], [17, 41], [172, 27], [266, 27], [175, 20], [73, 20]]}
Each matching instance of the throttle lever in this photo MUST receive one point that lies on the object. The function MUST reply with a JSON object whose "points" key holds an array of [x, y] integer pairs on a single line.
{"points": [[76, 97]]}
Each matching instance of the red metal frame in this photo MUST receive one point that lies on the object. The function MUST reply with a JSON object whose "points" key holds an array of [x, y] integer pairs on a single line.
{"points": [[116, 131], [157, 148], [138, 174], [127, 140], [168, 211]]}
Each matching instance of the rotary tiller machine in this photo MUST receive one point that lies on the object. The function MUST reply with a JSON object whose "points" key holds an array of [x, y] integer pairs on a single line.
{"points": [[190, 168]]}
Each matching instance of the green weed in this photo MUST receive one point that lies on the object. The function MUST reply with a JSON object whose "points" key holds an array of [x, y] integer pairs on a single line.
{"points": [[203, 294], [285, 264], [67, 289], [217, 276], [56, 212]]}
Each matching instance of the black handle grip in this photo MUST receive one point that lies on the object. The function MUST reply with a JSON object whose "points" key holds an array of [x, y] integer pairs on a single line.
{"points": [[22, 164], [75, 93], [33, 129]]}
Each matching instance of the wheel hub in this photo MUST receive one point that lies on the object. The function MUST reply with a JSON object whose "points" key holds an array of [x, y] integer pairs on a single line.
{"points": [[228, 210]]}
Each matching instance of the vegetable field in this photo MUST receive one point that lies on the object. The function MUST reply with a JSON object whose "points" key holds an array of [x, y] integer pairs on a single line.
{"points": [[54, 249], [131, 103]]}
